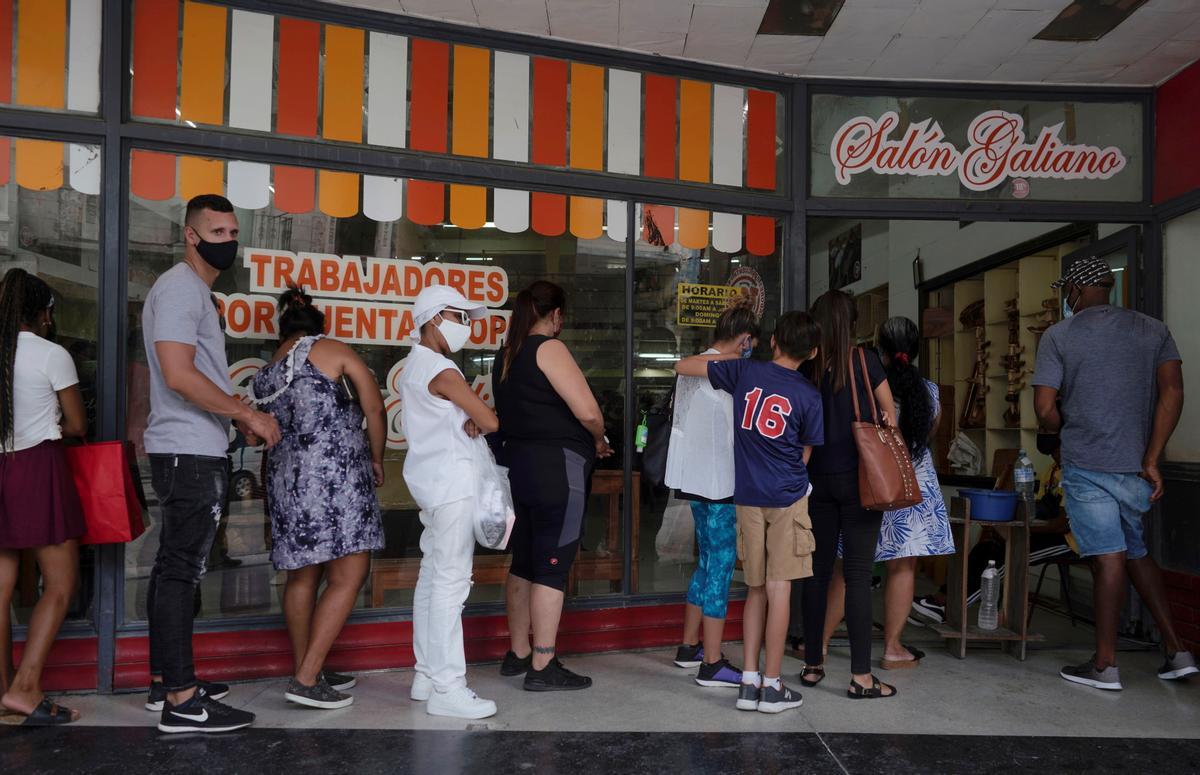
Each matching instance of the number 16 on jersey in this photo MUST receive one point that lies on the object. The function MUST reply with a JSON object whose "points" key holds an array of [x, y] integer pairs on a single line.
{"points": [[768, 416]]}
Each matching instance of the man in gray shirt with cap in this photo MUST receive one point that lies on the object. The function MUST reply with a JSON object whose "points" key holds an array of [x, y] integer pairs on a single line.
{"points": [[1110, 380]]}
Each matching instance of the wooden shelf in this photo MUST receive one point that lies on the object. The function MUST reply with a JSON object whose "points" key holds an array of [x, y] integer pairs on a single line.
{"points": [[974, 633]]}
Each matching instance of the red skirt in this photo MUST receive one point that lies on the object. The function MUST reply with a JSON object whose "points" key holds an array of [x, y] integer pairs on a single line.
{"points": [[38, 502]]}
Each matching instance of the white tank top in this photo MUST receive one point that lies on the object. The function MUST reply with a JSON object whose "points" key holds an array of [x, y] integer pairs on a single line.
{"points": [[438, 466]]}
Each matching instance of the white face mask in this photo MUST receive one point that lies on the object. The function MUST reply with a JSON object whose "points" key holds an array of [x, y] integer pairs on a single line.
{"points": [[455, 334]]}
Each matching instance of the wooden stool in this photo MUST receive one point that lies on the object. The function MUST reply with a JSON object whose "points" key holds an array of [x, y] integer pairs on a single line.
{"points": [[610, 565]]}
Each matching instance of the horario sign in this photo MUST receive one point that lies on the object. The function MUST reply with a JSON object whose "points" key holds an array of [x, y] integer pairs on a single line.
{"points": [[997, 150]]}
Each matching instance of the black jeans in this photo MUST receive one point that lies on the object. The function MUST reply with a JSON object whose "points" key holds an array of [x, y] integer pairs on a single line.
{"points": [[191, 492], [835, 509]]}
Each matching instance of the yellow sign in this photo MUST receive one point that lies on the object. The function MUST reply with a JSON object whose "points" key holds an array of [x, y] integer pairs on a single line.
{"points": [[701, 305]]}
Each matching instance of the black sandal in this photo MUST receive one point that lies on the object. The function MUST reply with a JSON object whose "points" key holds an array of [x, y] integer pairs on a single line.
{"points": [[818, 670], [856, 692], [46, 714]]}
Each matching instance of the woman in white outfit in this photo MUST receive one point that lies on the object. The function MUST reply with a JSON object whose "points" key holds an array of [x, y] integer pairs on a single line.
{"points": [[440, 414]]}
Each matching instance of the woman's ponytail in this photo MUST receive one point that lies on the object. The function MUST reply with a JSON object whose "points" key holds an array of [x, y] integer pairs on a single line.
{"points": [[899, 342], [531, 305]]}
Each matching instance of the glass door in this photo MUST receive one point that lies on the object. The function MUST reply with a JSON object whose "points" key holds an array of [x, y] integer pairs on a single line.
{"points": [[1121, 251]]}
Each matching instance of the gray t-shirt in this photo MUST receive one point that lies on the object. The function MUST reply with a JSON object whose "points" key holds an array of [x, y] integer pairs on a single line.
{"points": [[1103, 361], [180, 308]]}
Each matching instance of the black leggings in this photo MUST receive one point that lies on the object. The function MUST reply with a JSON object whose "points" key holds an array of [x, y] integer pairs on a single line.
{"points": [[834, 508], [550, 487]]}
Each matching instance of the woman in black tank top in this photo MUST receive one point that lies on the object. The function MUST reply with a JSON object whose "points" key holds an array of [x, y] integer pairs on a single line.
{"points": [[553, 431]]}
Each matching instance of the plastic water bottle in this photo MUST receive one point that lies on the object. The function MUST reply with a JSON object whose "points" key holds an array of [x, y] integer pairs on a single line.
{"points": [[989, 596], [1025, 483]]}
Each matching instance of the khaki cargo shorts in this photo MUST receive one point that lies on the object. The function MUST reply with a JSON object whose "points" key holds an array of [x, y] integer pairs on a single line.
{"points": [[775, 544]]}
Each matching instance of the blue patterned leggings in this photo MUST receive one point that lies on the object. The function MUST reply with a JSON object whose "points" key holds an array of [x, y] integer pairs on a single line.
{"points": [[716, 540]]}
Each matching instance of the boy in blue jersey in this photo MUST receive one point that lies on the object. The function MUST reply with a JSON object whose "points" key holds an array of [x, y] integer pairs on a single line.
{"points": [[777, 421]]}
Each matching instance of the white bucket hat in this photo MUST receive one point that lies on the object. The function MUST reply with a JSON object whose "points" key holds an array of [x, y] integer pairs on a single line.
{"points": [[435, 298]]}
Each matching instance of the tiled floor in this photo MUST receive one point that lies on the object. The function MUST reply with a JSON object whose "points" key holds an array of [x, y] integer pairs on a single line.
{"points": [[988, 713]]}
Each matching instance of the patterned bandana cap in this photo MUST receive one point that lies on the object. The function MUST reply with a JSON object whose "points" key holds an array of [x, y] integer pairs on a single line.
{"points": [[1086, 273]]}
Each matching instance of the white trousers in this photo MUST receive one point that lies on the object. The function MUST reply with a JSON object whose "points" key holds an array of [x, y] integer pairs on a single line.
{"points": [[447, 554]]}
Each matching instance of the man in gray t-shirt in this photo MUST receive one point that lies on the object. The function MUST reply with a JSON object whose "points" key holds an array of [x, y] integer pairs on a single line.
{"points": [[191, 405], [1110, 380]]}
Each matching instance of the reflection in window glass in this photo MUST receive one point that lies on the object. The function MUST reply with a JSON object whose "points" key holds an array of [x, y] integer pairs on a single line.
{"points": [[674, 311], [50, 226], [364, 273]]}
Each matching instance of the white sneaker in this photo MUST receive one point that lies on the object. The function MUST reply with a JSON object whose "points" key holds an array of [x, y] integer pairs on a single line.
{"points": [[422, 687], [460, 703]]}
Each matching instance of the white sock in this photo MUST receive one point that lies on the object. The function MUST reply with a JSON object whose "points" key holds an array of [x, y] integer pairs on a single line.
{"points": [[774, 683], [752, 679]]}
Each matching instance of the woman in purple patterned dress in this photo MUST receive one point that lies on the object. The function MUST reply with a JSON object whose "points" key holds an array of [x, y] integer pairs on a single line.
{"points": [[321, 481]]}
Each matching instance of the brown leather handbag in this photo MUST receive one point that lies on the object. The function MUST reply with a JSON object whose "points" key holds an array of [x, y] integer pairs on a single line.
{"points": [[886, 479]]}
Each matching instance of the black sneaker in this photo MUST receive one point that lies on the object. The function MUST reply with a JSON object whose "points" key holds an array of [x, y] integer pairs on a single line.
{"points": [[747, 697], [772, 700], [514, 665], [554, 678], [339, 681], [720, 674], [928, 608], [689, 655], [202, 714], [158, 693], [321, 695]]}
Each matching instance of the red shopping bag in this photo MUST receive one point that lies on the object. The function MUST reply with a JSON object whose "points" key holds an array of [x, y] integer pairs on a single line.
{"points": [[112, 499]]}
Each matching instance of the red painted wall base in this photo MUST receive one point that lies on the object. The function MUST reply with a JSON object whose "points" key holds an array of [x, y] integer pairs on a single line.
{"points": [[242, 655]]}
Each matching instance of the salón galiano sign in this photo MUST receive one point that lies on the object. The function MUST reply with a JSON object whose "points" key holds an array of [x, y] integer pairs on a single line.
{"points": [[997, 151]]}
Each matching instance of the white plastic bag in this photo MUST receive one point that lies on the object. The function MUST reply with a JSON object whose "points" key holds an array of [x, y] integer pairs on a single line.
{"points": [[494, 515], [676, 539]]}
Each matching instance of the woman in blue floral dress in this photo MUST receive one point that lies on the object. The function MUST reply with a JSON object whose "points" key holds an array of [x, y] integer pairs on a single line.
{"points": [[321, 481], [918, 531]]}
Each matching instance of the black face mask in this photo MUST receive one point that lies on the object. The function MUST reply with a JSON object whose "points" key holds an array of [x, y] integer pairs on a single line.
{"points": [[218, 255]]}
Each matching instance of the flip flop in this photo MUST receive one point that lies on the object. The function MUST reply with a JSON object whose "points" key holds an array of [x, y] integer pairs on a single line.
{"points": [[46, 714], [904, 664]]}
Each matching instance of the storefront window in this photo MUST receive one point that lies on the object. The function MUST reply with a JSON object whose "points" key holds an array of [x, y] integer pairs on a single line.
{"points": [[49, 226], [679, 293], [336, 258], [981, 326], [950, 148], [1181, 278]]}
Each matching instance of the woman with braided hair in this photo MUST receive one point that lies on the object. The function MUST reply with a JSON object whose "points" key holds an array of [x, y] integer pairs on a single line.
{"points": [[40, 403]]}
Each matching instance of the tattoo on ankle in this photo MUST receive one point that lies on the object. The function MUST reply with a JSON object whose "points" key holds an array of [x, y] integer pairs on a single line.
{"points": [[543, 649]]}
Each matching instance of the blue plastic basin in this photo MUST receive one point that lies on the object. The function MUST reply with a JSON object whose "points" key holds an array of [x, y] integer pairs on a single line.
{"points": [[991, 505]]}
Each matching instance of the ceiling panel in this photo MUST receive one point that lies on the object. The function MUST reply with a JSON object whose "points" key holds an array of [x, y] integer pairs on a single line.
{"points": [[515, 16], [952, 40], [589, 21], [722, 33]]}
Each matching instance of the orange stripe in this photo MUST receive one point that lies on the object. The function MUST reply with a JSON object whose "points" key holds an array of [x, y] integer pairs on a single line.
{"points": [[6, 30], [338, 193], [39, 164], [426, 202], [152, 175], [5, 159], [548, 212], [342, 113], [760, 140], [296, 85], [760, 235], [200, 176], [587, 117], [427, 100], [155, 58], [472, 83], [469, 133], [294, 189], [202, 90], [587, 217], [693, 228], [42, 55], [468, 206], [695, 132]]}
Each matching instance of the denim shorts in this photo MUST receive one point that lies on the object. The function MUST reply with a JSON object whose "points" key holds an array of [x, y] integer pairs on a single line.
{"points": [[1106, 511]]}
